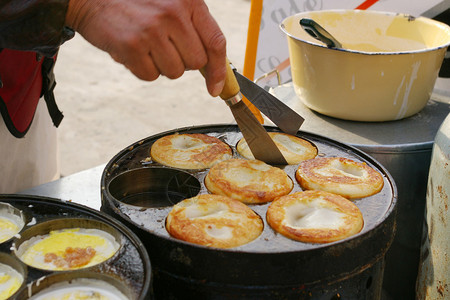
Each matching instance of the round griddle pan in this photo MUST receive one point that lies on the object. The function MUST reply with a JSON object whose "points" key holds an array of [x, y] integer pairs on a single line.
{"points": [[141, 192]]}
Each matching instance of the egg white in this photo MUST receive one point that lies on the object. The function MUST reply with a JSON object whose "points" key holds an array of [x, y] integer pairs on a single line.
{"points": [[10, 225], [80, 289]]}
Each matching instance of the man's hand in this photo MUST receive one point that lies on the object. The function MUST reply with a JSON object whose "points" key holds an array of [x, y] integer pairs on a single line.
{"points": [[154, 37]]}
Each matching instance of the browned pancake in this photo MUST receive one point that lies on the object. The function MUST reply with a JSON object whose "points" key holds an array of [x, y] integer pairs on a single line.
{"points": [[315, 217], [293, 148], [214, 221], [249, 181], [339, 175], [190, 151]]}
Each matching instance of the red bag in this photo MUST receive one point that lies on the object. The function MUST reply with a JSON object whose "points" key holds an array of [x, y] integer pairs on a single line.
{"points": [[25, 77]]}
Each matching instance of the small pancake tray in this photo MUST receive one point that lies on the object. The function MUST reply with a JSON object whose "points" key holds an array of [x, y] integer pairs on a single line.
{"points": [[129, 267]]}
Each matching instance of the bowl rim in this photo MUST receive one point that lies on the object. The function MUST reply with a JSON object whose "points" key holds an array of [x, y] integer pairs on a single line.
{"points": [[375, 12]]}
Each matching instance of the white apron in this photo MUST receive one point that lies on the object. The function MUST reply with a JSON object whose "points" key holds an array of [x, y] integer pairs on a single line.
{"points": [[32, 160]]}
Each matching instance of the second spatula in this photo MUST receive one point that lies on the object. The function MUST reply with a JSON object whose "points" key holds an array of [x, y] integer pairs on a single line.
{"points": [[260, 143]]}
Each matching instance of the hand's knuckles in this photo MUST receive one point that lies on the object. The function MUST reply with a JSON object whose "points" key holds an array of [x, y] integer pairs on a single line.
{"points": [[217, 43], [196, 60], [147, 75], [143, 71], [173, 72], [151, 76]]}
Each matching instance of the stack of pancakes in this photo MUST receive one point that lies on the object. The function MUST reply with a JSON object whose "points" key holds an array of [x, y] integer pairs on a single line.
{"points": [[321, 213]]}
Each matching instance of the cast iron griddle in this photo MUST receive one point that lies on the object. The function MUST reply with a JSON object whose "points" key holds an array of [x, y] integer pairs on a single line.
{"points": [[375, 209]]}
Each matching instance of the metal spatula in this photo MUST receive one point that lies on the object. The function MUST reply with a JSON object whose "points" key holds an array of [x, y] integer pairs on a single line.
{"points": [[279, 113], [260, 143]]}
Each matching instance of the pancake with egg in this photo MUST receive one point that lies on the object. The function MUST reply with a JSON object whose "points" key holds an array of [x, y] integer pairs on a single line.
{"points": [[11, 221], [293, 148], [68, 249], [249, 181], [10, 281], [189, 151], [213, 221], [315, 217], [9, 227], [339, 175]]}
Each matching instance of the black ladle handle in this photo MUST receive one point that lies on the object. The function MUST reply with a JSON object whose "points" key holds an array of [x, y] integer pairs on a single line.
{"points": [[319, 33]]}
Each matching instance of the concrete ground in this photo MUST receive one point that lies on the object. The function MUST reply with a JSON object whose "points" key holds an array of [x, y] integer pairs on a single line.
{"points": [[106, 108]]}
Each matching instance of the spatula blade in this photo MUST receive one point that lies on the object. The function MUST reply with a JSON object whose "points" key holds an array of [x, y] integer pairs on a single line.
{"points": [[278, 112], [260, 143]]}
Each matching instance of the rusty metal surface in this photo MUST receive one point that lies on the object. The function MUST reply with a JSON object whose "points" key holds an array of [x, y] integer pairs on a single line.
{"points": [[433, 281]]}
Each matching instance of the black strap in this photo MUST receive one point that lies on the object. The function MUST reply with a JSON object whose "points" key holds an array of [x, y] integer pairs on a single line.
{"points": [[48, 85], [9, 123]]}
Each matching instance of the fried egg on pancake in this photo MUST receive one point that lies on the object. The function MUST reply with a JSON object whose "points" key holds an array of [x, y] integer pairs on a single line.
{"points": [[9, 226], [189, 151], [213, 221], [249, 181], [315, 217], [80, 289], [68, 249], [293, 148], [11, 221], [10, 281], [339, 175]]}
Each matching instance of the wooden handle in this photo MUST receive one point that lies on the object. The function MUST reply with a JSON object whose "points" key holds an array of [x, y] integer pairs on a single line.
{"points": [[231, 87]]}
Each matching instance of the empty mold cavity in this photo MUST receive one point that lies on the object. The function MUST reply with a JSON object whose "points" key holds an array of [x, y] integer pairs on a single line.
{"points": [[153, 187]]}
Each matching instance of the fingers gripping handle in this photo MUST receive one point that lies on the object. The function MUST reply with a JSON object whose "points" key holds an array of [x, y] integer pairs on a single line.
{"points": [[231, 87], [231, 90]]}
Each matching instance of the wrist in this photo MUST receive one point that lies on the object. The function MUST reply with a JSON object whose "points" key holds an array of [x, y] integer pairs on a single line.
{"points": [[79, 11]]}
